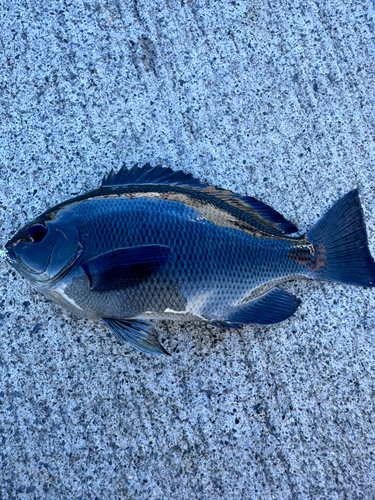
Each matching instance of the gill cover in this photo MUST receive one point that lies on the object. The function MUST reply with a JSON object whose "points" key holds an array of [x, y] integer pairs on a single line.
{"points": [[43, 253]]}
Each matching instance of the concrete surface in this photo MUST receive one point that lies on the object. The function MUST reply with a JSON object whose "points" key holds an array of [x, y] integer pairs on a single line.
{"points": [[271, 99]]}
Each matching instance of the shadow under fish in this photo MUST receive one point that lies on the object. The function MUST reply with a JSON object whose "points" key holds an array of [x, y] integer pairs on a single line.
{"points": [[152, 244]]}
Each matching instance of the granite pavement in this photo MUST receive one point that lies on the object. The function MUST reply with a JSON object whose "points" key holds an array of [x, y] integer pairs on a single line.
{"points": [[269, 99]]}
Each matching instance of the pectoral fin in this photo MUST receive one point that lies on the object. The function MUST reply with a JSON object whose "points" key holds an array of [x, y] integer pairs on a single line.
{"points": [[272, 307], [136, 332], [126, 267]]}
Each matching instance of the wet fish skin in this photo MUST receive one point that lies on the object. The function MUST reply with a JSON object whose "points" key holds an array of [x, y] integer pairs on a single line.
{"points": [[153, 244]]}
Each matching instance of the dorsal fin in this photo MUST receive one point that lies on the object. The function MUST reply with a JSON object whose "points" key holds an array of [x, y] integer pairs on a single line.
{"points": [[161, 175], [150, 175], [270, 214]]}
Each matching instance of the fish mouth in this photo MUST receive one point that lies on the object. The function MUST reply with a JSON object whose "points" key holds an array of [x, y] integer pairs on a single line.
{"points": [[11, 255]]}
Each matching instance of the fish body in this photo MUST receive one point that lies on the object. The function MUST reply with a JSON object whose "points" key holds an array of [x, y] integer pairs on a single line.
{"points": [[153, 244]]}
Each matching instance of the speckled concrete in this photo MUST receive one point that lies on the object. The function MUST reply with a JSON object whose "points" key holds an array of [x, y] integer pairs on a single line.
{"points": [[275, 100]]}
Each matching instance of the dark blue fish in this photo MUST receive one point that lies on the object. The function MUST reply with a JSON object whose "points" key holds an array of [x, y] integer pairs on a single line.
{"points": [[152, 244]]}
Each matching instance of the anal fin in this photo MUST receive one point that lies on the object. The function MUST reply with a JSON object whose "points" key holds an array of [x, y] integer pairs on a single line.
{"points": [[272, 307], [138, 333]]}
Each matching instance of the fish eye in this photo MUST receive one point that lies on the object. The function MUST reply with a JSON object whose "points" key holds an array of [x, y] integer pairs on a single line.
{"points": [[36, 232]]}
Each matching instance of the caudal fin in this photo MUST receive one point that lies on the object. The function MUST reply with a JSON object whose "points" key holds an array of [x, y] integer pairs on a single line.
{"points": [[342, 238]]}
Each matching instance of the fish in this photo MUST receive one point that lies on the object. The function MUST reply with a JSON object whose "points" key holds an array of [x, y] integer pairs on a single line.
{"points": [[152, 243]]}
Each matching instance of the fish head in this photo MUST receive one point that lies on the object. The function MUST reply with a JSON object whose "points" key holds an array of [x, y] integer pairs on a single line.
{"points": [[44, 251]]}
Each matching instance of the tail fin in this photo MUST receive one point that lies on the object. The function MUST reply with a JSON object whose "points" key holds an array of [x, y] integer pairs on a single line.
{"points": [[341, 233]]}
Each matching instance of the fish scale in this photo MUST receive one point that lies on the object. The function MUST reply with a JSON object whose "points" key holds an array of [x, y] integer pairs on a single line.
{"points": [[225, 261], [154, 244]]}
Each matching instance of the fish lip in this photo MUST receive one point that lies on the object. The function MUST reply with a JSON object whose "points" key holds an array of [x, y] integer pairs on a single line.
{"points": [[11, 254]]}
